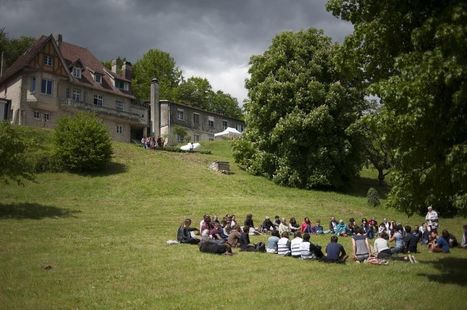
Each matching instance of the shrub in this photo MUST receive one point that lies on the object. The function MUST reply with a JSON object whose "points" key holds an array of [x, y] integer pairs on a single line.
{"points": [[14, 164], [82, 143], [373, 197]]}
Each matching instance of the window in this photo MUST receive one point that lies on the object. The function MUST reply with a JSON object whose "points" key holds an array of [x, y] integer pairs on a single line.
{"points": [[98, 78], [119, 84], [180, 114], [118, 105], [239, 127], [224, 124], [211, 121], [76, 95], [76, 72], [195, 119], [46, 87], [32, 87], [48, 60], [37, 115], [126, 86], [46, 117], [195, 138], [119, 129], [98, 100]]}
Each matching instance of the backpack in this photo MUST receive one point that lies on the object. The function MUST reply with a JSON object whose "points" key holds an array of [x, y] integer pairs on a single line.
{"points": [[260, 247]]}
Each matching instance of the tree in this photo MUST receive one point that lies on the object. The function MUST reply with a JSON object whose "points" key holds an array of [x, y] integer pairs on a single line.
{"points": [[412, 53], [225, 104], [13, 48], [160, 65], [299, 110], [120, 61], [14, 165], [82, 143]]}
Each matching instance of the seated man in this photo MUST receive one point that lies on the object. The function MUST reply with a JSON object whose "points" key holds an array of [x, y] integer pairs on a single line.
{"points": [[272, 242], [245, 240], [308, 250], [440, 244], [295, 244], [335, 252], [184, 233], [234, 237], [283, 245]]}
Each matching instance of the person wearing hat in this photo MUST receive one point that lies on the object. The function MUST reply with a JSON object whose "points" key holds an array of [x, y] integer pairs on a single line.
{"points": [[432, 218]]}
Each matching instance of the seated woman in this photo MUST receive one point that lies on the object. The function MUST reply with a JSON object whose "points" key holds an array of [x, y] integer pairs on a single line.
{"points": [[249, 222], [360, 246], [441, 244], [382, 247], [293, 225], [341, 229], [184, 233], [267, 225], [283, 227], [332, 225], [245, 240], [306, 226], [397, 237], [283, 245], [217, 232], [318, 228], [271, 247]]}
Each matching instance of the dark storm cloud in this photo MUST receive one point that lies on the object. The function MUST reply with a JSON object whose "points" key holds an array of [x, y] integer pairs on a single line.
{"points": [[211, 38]]}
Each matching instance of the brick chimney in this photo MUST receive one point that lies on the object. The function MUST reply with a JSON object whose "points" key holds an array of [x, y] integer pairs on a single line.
{"points": [[127, 70]]}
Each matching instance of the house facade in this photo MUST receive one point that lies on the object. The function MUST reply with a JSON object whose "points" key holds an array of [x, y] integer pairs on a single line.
{"points": [[183, 123], [54, 78]]}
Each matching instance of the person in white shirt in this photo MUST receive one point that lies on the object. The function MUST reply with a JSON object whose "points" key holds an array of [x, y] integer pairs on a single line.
{"points": [[283, 245], [295, 244], [432, 218], [382, 247]]}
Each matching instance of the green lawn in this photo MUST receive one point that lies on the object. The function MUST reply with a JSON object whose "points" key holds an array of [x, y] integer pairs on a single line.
{"points": [[104, 237]]}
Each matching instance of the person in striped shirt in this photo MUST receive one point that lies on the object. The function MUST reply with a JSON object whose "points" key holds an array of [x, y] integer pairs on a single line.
{"points": [[283, 246], [295, 244]]}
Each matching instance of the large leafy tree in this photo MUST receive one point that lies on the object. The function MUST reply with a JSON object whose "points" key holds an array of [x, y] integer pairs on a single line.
{"points": [[155, 64], [12, 48], [412, 54], [298, 113]]}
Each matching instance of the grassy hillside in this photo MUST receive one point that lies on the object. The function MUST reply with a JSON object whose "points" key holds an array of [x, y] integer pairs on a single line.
{"points": [[104, 238]]}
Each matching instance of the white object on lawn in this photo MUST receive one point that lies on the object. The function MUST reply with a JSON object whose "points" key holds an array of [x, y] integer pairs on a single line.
{"points": [[229, 132], [190, 146]]}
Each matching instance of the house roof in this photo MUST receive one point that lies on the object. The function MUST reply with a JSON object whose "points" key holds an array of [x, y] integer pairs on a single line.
{"points": [[70, 55]]}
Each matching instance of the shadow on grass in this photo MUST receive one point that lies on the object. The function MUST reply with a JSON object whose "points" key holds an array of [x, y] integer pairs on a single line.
{"points": [[111, 169], [452, 271], [360, 185], [33, 211]]}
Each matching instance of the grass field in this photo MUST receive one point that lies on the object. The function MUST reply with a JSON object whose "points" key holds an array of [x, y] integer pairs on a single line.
{"points": [[102, 238]]}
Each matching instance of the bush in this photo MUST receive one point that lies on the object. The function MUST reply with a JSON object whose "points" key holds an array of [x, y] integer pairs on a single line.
{"points": [[373, 197], [14, 164], [82, 143]]}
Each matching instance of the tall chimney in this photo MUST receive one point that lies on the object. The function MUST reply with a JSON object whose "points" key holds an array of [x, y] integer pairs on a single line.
{"points": [[127, 70], [155, 109], [114, 66], [60, 39]]}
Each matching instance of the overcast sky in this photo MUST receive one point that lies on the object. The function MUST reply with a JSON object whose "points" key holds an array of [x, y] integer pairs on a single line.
{"points": [[207, 38]]}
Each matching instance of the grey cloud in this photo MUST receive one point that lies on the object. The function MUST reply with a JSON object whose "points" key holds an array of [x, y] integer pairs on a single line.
{"points": [[210, 36]]}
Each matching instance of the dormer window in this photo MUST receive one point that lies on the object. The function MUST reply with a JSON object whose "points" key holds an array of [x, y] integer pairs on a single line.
{"points": [[76, 72], [48, 60], [98, 78]]}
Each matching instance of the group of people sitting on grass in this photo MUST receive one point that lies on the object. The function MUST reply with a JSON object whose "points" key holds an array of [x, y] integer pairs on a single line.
{"points": [[152, 143], [221, 236]]}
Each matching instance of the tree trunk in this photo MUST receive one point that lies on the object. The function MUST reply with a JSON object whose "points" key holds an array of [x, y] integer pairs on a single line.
{"points": [[380, 176]]}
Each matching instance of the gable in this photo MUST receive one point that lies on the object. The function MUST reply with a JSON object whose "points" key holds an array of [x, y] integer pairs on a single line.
{"points": [[48, 60]]}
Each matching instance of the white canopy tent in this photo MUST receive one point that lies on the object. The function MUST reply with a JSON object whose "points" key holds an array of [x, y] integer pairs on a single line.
{"points": [[190, 147], [229, 132]]}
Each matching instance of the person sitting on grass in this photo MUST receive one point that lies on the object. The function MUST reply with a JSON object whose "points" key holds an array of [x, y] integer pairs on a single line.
{"points": [[360, 246], [440, 244], [335, 252], [308, 250], [277, 222], [306, 226], [283, 245], [453, 241], [267, 225], [464, 238], [184, 233], [397, 237], [245, 240], [293, 225], [410, 240], [382, 247], [215, 247], [217, 232], [234, 237], [272, 242], [332, 225], [341, 229], [283, 227], [295, 244], [318, 228]]}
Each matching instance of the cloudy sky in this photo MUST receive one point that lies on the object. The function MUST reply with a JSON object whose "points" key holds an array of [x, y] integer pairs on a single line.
{"points": [[208, 38]]}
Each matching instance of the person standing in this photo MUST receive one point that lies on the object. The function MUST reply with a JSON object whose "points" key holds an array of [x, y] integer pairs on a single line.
{"points": [[432, 218]]}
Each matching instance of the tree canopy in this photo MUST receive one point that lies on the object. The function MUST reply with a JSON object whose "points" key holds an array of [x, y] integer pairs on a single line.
{"points": [[300, 107], [13, 48], [412, 55]]}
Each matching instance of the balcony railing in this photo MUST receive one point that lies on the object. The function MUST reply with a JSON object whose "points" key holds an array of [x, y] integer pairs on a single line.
{"points": [[69, 102]]}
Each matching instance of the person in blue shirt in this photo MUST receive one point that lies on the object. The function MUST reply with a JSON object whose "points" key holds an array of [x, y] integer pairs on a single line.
{"points": [[335, 252], [442, 243]]}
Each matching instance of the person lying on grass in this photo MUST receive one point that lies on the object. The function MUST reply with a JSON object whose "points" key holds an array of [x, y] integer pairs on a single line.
{"points": [[184, 233], [335, 252], [215, 247]]}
